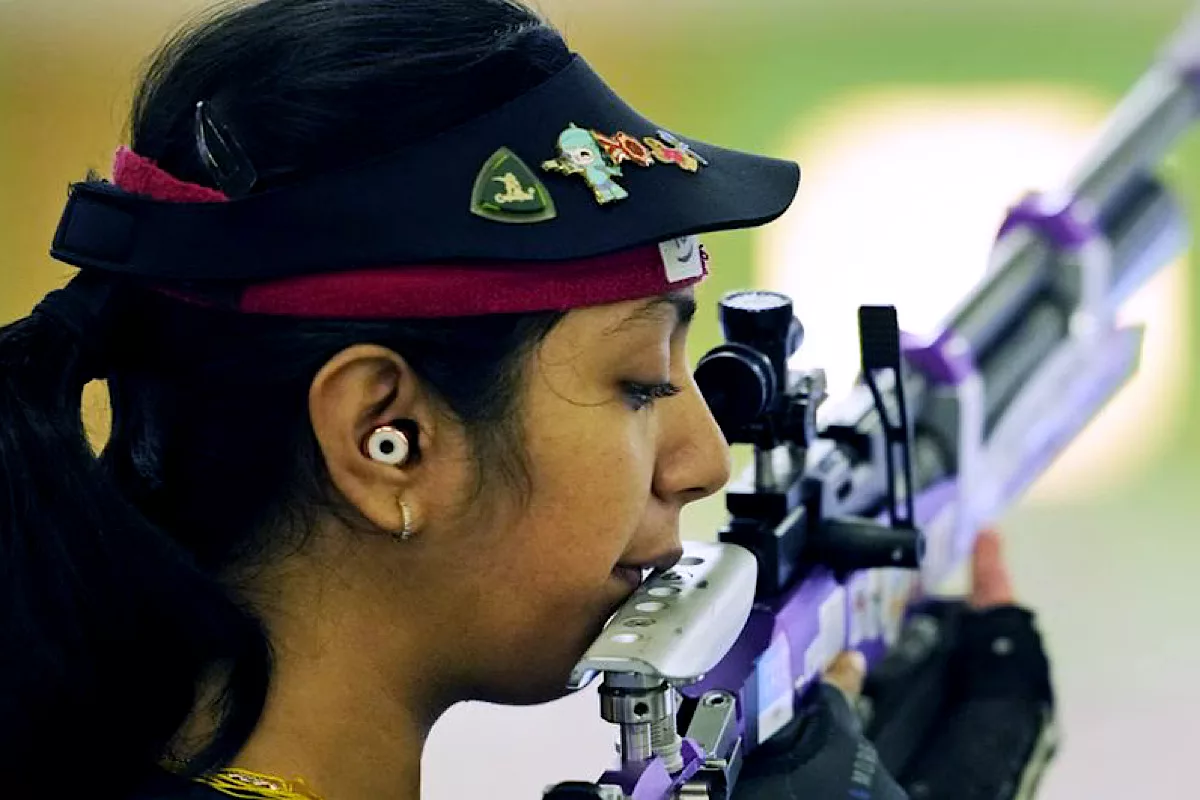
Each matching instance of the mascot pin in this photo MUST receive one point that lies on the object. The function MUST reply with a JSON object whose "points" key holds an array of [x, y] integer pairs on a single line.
{"points": [[597, 157], [580, 154]]}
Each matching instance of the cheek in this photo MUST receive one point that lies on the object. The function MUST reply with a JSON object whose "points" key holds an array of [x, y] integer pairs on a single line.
{"points": [[594, 472], [590, 470]]}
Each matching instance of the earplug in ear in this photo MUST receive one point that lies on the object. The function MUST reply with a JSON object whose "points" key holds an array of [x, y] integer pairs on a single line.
{"points": [[394, 444]]}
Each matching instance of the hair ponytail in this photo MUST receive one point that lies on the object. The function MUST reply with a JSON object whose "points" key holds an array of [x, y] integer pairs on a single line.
{"points": [[108, 627]]}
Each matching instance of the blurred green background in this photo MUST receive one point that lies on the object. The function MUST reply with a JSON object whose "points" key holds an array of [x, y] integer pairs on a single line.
{"points": [[1107, 561]]}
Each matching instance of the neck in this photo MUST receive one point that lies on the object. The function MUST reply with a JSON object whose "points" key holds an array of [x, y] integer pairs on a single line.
{"points": [[344, 737], [352, 695], [343, 714], [333, 720]]}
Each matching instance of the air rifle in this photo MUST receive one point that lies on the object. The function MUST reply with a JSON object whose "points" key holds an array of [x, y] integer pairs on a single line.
{"points": [[854, 511]]}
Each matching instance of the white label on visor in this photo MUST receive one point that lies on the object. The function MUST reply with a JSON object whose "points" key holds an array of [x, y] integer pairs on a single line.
{"points": [[681, 258]]}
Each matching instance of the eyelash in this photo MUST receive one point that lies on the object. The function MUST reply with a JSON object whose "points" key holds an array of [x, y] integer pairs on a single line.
{"points": [[643, 395]]}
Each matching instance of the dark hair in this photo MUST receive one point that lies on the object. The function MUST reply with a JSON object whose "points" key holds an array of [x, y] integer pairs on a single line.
{"points": [[116, 600]]}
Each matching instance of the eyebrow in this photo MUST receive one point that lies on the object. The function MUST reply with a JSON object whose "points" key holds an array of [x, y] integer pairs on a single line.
{"points": [[684, 306]]}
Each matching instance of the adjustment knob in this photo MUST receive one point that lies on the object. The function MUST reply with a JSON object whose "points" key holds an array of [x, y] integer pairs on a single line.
{"points": [[753, 316], [849, 544]]}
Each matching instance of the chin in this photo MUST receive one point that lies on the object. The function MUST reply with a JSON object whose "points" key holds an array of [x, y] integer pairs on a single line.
{"points": [[532, 686], [541, 675], [534, 695]]}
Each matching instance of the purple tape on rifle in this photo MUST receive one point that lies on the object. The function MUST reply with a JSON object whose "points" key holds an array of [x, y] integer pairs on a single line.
{"points": [[1064, 222], [649, 780], [946, 360], [649, 775]]}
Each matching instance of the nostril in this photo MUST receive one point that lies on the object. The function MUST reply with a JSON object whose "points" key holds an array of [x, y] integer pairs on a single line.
{"points": [[700, 492]]}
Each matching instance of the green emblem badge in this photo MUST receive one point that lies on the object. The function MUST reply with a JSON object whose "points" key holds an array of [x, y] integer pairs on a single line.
{"points": [[507, 191]]}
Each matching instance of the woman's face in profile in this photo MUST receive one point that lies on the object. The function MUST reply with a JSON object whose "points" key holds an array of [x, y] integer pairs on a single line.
{"points": [[618, 439]]}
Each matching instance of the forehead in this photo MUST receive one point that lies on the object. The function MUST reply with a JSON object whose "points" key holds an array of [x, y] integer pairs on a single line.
{"points": [[606, 326]]}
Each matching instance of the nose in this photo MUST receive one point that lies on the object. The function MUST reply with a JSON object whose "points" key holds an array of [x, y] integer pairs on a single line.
{"points": [[694, 458]]}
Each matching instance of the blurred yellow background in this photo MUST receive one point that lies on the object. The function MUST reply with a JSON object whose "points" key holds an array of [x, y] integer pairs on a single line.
{"points": [[916, 122]]}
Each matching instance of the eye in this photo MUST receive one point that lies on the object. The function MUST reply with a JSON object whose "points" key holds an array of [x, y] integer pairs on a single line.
{"points": [[643, 395]]}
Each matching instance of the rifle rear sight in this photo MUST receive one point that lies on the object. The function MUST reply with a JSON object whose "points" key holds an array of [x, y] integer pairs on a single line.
{"points": [[797, 511], [754, 397]]}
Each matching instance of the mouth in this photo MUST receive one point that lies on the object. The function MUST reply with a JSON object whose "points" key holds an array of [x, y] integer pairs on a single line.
{"points": [[632, 576]]}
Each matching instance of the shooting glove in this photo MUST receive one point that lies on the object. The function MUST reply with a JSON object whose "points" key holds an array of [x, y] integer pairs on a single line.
{"points": [[995, 734], [822, 754]]}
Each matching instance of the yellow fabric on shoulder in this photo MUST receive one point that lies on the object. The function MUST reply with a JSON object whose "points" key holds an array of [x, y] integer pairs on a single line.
{"points": [[242, 783]]}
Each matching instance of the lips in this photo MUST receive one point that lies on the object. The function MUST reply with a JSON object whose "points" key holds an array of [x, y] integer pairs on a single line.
{"points": [[634, 574], [630, 575]]}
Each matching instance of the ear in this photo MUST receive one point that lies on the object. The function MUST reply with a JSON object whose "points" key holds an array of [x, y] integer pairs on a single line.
{"points": [[359, 389]]}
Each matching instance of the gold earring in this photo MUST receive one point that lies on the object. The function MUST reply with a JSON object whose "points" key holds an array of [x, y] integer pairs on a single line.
{"points": [[408, 527]]}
